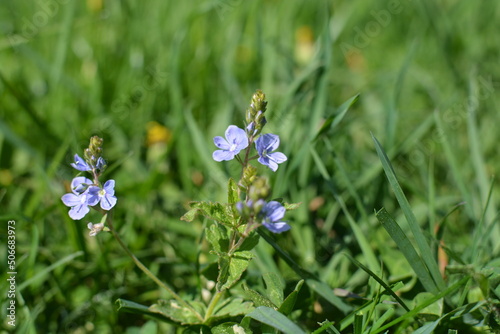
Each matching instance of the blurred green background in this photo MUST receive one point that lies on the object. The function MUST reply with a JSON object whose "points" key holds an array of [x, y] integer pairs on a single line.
{"points": [[159, 79]]}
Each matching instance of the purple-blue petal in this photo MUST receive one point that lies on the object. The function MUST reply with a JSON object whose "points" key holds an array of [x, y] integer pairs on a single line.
{"points": [[274, 211], [93, 195], [221, 143], [79, 211], [80, 164], [268, 142], [70, 200], [277, 227], [79, 184], [108, 202], [235, 135], [109, 187], [220, 155], [278, 157], [100, 163]]}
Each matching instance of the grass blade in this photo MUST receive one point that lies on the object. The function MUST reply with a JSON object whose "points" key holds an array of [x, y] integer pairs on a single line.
{"points": [[271, 317], [407, 249], [421, 242]]}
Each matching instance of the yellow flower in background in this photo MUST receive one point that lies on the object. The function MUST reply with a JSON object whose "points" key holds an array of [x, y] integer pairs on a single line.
{"points": [[94, 5], [304, 45], [157, 133]]}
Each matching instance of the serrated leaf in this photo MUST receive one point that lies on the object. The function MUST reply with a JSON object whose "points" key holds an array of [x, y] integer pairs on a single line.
{"points": [[231, 267], [178, 313], [288, 304], [273, 318], [291, 206], [274, 287], [190, 215], [257, 298], [221, 213], [216, 234]]}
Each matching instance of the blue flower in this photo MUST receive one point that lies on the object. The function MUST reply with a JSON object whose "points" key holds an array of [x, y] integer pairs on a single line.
{"points": [[236, 140], [79, 199], [271, 215], [80, 164], [266, 144], [106, 195]]}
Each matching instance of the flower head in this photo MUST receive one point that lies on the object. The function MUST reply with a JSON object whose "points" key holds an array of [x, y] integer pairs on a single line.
{"points": [[79, 200], [266, 144], [236, 140], [271, 215], [105, 195]]}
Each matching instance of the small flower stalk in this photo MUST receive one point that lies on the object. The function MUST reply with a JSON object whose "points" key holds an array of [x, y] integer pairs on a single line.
{"points": [[87, 193], [249, 206]]}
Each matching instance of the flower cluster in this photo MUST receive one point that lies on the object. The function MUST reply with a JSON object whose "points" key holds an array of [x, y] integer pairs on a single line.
{"points": [[254, 208], [86, 192]]}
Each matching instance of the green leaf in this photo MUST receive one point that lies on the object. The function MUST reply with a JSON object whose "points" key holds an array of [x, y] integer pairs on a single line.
{"points": [[178, 313], [232, 307], [288, 304], [231, 267], [221, 213], [250, 242], [230, 328], [274, 287], [190, 215], [273, 318], [422, 245], [166, 311], [435, 309], [407, 249], [257, 298], [216, 234]]}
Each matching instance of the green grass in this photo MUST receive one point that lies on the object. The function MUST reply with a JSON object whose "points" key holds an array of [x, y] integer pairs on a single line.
{"points": [[427, 78]]}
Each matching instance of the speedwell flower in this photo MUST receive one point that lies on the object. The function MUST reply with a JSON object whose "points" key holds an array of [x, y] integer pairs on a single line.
{"points": [[79, 200], [80, 164], [271, 215], [266, 144], [236, 140], [105, 195]]}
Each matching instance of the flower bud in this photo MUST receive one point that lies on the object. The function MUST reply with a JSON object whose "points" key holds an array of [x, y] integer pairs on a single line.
{"points": [[255, 113], [259, 189]]}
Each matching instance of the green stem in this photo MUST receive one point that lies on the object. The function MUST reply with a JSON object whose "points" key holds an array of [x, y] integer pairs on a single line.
{"points": [[147, 271], [213, 303]]}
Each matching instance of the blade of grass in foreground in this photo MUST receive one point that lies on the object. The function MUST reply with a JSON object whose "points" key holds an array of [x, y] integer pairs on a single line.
{"points": [[422, 244], [407, 249], [420, 307]]}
